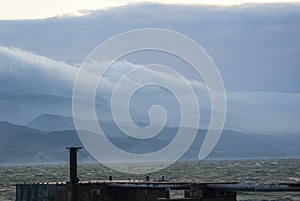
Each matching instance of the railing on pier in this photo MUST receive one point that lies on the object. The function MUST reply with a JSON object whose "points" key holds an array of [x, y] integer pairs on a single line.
{"points": [[256, 187]]}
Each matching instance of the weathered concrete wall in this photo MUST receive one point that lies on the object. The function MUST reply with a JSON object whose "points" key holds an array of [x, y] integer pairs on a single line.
{"points": [[42, 192], [103, 192], [125, 194], [205, 195], [86, 192], [218, 195]]}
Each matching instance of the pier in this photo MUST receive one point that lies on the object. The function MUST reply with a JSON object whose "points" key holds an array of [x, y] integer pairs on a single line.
{"points": [[146, 190]]}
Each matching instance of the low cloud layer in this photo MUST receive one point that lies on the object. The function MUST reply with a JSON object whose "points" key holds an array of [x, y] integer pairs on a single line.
{"points": [[256, 48], [26, 73]]}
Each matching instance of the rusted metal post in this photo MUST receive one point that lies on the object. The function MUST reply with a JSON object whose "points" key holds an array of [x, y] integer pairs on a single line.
{"points": [[73, 172]]}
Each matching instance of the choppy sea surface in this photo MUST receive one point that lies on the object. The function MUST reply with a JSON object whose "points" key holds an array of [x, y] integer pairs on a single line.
{"points": [[254, 171]]}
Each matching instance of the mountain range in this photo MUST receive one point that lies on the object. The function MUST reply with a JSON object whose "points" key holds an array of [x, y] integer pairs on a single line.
{"points": [[44, 140]]}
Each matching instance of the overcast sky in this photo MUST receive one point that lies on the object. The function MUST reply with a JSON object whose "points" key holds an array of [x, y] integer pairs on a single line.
{"points": [[32, 9], [256, 49]]}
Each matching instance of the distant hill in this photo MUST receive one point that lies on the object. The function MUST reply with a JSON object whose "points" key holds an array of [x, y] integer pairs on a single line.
{"points": [[22, 109], [52, 122], [55, 122], [21, 144], [237, 145]]}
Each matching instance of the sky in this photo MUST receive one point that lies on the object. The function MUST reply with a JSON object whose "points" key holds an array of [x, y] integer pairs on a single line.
{"points": [[33, 9], [256, 49]]}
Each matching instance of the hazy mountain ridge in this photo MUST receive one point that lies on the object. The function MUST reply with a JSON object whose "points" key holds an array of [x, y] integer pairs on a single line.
{"points": [[21, 144], [23, 108], [20, 108], [58, 123]]}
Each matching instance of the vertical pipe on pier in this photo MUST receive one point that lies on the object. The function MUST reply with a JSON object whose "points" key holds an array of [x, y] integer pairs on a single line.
{"points": [[73, 172]]}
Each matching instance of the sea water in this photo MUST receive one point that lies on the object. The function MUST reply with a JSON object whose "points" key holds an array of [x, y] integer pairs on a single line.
{"points": [[254, 171]]}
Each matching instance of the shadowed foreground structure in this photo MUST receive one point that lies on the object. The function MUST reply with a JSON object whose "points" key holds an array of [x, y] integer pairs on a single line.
{"points": [[119, 191], [141, 191], [114, 190]]}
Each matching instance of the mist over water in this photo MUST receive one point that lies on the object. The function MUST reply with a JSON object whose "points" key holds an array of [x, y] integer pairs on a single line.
{"points": [[254, 171]]}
